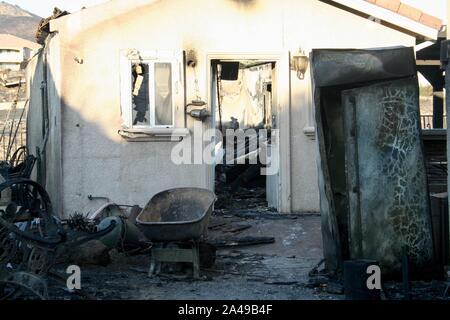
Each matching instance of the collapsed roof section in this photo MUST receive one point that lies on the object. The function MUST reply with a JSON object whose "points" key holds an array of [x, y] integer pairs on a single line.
{"points": [[44, 26]]}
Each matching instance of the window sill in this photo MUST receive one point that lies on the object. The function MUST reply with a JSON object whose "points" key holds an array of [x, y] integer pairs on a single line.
{"points": [[154, 134]]}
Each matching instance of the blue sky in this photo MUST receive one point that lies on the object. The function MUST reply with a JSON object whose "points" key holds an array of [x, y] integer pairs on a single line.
{"points": [[44, 8]]}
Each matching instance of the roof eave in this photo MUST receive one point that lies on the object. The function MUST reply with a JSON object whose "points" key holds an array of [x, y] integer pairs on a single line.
{"points": [[387, 17]]}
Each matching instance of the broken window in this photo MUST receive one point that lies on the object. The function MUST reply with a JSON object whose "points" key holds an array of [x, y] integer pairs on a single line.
{"points": [[148, 95], [141, 97]]}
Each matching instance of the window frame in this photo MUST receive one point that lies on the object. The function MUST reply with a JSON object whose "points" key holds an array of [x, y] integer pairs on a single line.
{"points": [[127, 62]]}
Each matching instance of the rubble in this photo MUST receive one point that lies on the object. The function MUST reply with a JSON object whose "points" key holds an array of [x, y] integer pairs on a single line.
{"points": [[11, 86], [224, 268], [32, 238], [420, 290], [93, 252], [233, 261], [44, 26], [241, 242]]}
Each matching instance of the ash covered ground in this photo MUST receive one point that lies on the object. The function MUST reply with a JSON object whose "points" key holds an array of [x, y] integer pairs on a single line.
{"points": [[283, 270]]}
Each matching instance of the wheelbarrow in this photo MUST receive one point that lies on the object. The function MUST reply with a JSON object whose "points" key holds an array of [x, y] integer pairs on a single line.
{"points": [[177, 216]]}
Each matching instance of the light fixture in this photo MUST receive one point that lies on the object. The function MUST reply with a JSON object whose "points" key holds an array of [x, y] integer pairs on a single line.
{"points": [[200, 112], [299, 63]]}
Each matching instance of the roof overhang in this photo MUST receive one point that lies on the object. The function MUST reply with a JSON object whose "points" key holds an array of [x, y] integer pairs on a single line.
{"points": [[387, 18]]}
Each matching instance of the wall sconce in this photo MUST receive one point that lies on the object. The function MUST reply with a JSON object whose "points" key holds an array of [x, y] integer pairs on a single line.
{"points": [[299, 63], [191, 58], [200, 113]]}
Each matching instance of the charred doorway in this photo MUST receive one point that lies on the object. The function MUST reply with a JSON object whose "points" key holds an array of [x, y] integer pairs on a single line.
{"points": [[244, 119]]}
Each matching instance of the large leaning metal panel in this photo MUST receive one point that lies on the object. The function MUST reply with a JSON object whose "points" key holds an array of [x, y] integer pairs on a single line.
{"points": [[372, 179]]}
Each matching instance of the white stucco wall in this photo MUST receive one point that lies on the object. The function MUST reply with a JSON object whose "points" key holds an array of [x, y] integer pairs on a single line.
{"points": [[34, 77], [97, 161], [38, 137]]}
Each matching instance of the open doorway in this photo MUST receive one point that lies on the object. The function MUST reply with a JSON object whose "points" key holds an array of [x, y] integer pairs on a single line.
{"points": [[243, 97]]}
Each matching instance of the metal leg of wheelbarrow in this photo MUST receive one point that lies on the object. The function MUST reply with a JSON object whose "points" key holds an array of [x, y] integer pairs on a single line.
{"points": [[163, 254], [155, 267]]}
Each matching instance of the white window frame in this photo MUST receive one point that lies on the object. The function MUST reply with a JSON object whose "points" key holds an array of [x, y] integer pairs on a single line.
{"points": [[126, 63]]}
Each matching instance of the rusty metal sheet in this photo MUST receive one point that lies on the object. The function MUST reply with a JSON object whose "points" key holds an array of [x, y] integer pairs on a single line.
{"points": [[386, 178], [373, 191]]}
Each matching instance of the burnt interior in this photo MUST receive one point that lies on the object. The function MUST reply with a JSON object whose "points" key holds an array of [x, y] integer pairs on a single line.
{"points": [[233, 179], [333, 128]]}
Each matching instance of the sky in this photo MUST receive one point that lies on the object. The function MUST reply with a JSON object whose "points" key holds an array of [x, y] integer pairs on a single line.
{"points": [[44, 8]]}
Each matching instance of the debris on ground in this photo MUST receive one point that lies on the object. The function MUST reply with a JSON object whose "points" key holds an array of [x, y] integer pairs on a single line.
{"points": [[420, 290], [32, 237], [242, 242], [93, 252], [255, 257]]}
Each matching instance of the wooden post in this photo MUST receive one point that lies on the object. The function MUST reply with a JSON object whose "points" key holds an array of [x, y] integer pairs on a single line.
{"points": [[438, 109], [447, 103]]}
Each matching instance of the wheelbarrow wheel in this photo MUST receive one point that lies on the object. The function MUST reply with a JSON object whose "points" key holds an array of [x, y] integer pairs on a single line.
{"points": [[28, 206]]}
